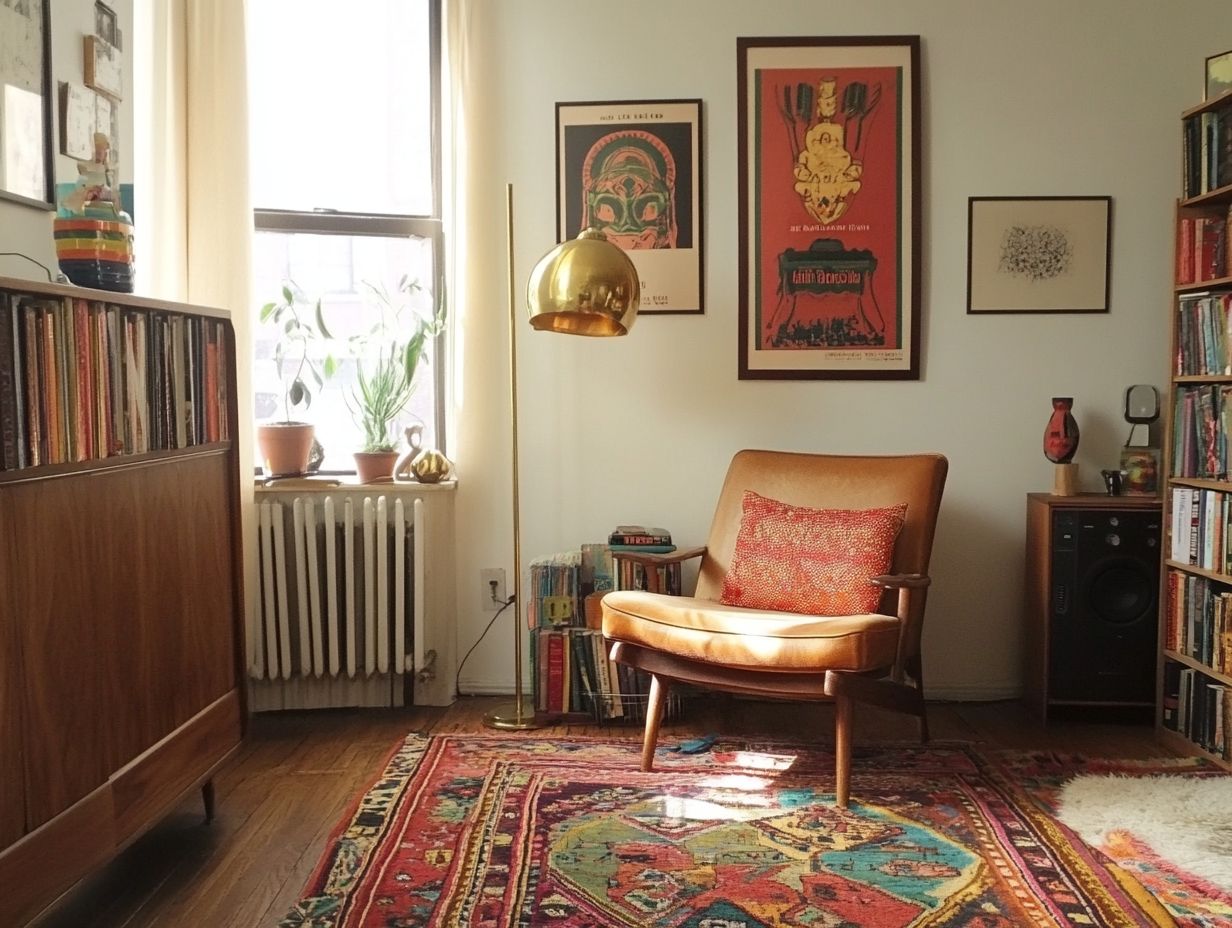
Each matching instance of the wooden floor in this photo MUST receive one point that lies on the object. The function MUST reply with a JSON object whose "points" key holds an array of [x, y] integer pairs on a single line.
{"points": [[289, 786]]}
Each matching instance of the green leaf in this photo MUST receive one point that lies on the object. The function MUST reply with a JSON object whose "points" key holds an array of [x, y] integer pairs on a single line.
{"points": [[297, 392], [287, 296], [267, 311], [329, 366], [321, 322]]}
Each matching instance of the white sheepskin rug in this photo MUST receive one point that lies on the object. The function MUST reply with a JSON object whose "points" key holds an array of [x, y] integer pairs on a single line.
{"points": [[1185, 820]]}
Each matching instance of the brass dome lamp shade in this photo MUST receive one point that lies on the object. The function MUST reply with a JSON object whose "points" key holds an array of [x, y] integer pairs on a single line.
{"points": [[587, 286]]}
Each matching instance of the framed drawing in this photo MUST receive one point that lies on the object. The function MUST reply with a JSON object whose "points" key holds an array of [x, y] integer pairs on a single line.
{"points": [[103, 65], [1038, 254], [1218, 76], [632, 169], [26, 101], [829, 209]]}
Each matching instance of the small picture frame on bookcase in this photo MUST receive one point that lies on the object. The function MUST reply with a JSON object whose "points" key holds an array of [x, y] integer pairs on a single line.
{"points": [[1140, 471], [1218, 76]]}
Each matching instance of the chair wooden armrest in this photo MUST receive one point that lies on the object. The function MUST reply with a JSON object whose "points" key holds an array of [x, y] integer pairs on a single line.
{"points": [[652, 561], [902, 581]]}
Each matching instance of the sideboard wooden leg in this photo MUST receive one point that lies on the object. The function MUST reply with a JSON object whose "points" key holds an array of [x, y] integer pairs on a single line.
{"points": [[207, 797]]}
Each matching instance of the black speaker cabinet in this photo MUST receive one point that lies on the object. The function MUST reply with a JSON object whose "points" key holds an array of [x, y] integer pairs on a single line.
{"points": [[1092, 584]]}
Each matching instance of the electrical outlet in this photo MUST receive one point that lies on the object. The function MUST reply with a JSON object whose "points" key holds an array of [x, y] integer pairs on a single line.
{"points": [[492, 600]]}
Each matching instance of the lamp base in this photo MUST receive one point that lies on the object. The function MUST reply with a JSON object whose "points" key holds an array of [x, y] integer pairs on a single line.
{"points": [[508, 718]]}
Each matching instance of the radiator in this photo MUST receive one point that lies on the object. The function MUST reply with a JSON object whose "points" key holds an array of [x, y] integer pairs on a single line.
{"points": [[341, 599]]}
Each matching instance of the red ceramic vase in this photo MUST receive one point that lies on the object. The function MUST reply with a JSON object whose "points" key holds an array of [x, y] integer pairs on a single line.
{"points": [[1061, 433]]}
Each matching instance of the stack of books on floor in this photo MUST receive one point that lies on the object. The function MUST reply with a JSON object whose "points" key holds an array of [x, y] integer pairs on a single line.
{"points": [[573, 675], [641, 539]]}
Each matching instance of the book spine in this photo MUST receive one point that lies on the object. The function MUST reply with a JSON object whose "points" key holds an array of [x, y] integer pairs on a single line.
{"points": [[556, 672], [9, 440], [628, 540]]}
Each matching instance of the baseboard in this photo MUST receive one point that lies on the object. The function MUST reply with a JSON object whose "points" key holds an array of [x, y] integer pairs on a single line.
{"points": [[954, 692]]}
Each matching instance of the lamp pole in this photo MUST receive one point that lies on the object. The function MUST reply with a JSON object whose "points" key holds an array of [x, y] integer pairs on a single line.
{"points": [[519, 716]]}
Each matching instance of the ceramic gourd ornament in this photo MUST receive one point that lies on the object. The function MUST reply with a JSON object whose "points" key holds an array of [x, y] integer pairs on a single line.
{"points": [[430, 466]]}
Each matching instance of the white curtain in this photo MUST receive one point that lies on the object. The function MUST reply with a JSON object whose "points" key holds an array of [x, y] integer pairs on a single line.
{"points": [[194, 210]]}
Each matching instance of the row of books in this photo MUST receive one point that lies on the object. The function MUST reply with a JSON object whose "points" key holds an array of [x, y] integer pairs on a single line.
{"points": [[1197, 707], [1202, 248], [1201, 419], [1196, 620], [1206, 150], [1199, 529], [565, 587], [568, 651], [81, 380], [574, 674], [1204, 344]]}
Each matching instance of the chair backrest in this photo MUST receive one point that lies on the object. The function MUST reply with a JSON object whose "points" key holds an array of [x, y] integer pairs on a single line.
{"points": [[831, 481]]}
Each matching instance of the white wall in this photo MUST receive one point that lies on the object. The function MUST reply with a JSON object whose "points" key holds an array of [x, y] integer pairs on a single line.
{"points": [[1051, 97], [28, 230]]}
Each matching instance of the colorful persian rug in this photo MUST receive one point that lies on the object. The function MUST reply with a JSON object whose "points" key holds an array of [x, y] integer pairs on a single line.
{"points": [[499, 830]]}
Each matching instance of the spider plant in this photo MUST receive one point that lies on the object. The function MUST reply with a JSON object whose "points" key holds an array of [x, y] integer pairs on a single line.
{"points": [[390, 354]]}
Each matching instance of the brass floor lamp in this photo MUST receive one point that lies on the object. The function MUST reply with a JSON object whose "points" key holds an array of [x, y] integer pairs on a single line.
{"points": [[585, 286]]}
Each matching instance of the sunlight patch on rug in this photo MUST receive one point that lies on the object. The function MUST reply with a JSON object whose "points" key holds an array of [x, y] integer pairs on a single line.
{"points": [[1185, 820]]}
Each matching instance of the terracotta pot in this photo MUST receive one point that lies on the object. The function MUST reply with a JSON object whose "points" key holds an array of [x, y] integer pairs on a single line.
{"points": [[284, 447], [371, 466]]}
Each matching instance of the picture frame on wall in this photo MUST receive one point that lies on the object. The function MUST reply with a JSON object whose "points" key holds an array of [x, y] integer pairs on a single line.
{"points": [[633, 170], [829, 207], [26, 104], [1218, 76], [1046, 254]]}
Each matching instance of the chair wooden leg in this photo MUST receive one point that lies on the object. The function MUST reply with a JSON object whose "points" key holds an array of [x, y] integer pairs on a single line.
{"points": [[654, 716], [842, 750], [917, 673]]}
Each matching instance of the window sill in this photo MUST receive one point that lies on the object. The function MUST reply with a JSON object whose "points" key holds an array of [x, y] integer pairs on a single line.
{"points": [[349, 482]]}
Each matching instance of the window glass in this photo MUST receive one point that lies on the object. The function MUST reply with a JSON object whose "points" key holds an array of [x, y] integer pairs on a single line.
{"points": [[340, 105], [341, 271]]}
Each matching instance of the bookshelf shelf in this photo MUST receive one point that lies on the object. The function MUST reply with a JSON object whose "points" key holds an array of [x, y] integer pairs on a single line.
{"points": [[1200, 285], [1193, 712], [1210, 198], [1196, 664], [121, 613], [1208, 106], [1198, 571]]}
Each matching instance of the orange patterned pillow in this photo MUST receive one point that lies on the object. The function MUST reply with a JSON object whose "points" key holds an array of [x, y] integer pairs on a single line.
{"points": [[812, 561]]}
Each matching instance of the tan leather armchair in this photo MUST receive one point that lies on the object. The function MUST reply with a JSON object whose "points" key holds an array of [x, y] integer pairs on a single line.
{"points": [[873, 658]]}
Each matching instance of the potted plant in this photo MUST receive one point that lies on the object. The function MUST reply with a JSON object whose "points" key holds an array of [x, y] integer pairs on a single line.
{"points": [[389, 355], [285, 445]]}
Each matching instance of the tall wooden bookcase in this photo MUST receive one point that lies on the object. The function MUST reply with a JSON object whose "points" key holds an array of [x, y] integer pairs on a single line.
{"points": [[1194, 705], [120, 595]]}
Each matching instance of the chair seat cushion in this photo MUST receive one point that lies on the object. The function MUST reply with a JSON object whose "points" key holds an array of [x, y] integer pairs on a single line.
{"points": [[753, 639]]}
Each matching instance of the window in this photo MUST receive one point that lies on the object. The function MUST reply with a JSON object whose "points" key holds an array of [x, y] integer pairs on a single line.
{"points": [[345, 158]]}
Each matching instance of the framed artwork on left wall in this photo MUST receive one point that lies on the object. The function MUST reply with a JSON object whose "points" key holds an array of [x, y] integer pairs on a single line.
{"points": [[633, 170], [26, 100]]}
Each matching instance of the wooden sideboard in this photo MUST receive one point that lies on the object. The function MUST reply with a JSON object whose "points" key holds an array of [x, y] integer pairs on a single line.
{"points": [[120, 581]]}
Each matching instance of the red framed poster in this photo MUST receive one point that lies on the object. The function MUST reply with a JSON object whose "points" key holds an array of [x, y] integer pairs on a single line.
{"points": [[829, 134]]}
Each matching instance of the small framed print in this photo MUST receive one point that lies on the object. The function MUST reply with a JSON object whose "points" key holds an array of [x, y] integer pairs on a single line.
{"points": [[1218, 76], [632, 169], [1038, 254], [104, 69]]}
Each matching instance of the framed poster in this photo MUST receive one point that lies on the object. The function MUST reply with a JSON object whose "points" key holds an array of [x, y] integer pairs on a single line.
{"points": [[829, 210], [1038, 254], [632, 169], [26, 101]]}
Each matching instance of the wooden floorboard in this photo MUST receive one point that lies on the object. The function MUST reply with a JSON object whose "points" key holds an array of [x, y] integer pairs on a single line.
{"points": [[282, 795]]}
